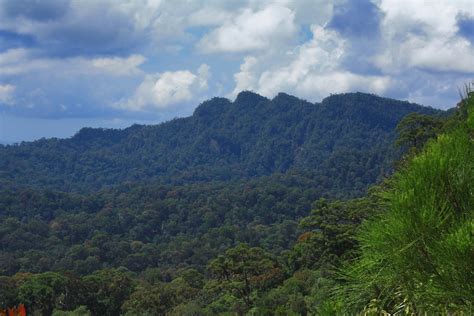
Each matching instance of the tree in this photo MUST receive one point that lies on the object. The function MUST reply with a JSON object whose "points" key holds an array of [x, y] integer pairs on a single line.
{"points": [[42, 293], [149, 300], [8, 292], [107, 290], [242, 270], [415, 129], [417, 257], [161, 298], [330, 230]]}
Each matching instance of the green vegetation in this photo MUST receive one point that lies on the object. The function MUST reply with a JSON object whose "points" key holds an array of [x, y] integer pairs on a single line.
{"points": [[418, 256], [139, 227], [282, 241], [345, 143], [242, 279]]}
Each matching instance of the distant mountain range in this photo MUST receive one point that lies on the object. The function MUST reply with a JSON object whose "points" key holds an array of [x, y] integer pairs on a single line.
{"points": [[346, 142]]}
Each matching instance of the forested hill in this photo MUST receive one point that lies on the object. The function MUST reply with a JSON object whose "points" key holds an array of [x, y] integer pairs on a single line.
{"points": [[346, 142]]}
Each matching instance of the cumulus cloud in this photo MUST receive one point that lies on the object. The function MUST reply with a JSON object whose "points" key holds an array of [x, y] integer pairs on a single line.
{"points": [[73, 86], [247, 77], [88, 55], [167, 89], [313, 70], [455, 55], [77, 27], [403, 49], [426, 36], [432, 54], [252, 30], [6, 94]]}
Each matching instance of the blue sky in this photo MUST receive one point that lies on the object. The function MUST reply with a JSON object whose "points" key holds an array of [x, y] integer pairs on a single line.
{"points": [[111, 63]]}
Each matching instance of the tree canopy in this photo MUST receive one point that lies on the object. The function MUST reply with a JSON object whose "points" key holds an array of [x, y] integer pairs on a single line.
{"points": [[259, 207]]}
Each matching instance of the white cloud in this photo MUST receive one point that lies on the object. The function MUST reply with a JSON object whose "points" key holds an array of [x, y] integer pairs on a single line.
{"points": [[119, 66], [43, 84], [457, 55], [93, 52], [246, 78], [433, 17], [418, 55], [173, 87], [313, 70], [252, 30], [341, 81], [22, 61], [6, 94], [454, 54], [16, 61], [167, 89], [306, 11], [209, 17], [203, 75], [99, 27], [415, 34]]}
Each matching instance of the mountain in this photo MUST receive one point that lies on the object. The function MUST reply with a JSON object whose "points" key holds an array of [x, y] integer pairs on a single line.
{"points": [[345, 141], [235, 210]]}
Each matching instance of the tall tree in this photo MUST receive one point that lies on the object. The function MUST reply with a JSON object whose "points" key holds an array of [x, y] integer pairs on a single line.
{"points": [[243, 269]]}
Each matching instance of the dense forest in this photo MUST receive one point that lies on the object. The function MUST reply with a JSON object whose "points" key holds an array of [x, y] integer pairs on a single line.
{"points": [[345, 142], [256, 207]]}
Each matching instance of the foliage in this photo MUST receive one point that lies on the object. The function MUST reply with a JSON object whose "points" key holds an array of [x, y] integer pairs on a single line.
{"points": [[416, 129], [243, 270], [345, 142], [329, 237], [161, 298], [107, 290], [8, 292], [215, 215], [142, 227], [80, 311], [418, 256], [45, 292]]}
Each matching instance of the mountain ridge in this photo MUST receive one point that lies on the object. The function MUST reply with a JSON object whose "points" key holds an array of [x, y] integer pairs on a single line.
{"points": [[223, 140]]}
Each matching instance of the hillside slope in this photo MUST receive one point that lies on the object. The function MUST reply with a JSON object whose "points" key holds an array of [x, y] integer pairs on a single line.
{"points": [[346, 141]]}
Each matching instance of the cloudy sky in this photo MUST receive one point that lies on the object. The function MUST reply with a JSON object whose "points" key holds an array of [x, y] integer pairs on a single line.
{"points": [[110, 63]]}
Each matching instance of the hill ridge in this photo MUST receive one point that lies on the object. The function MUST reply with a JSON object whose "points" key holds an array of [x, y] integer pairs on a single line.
{"points": [[250, 137]]}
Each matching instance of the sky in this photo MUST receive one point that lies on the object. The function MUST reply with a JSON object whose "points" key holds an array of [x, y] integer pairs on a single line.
{"points": [[66, 64]]}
